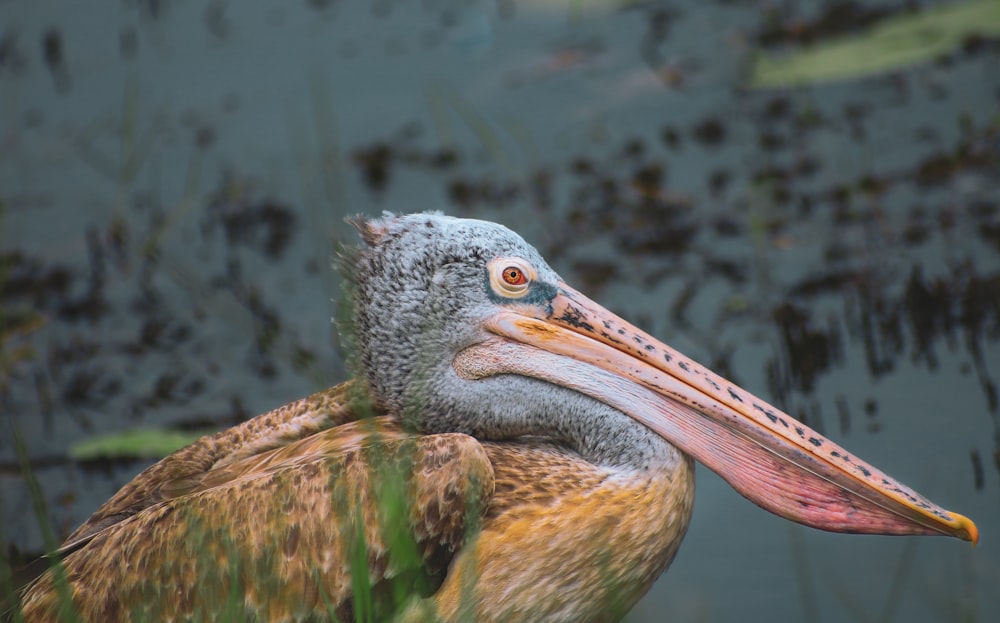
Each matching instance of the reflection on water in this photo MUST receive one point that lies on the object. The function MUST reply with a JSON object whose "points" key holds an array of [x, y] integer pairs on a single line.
{"points": [[174, 178]]}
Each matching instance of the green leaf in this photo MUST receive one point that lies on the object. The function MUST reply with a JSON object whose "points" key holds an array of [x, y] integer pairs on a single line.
{"points": [[149, 443], [895, 42]]}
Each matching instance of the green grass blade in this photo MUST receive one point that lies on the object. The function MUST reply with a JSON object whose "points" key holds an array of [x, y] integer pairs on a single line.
{"points": [[67, 611]]}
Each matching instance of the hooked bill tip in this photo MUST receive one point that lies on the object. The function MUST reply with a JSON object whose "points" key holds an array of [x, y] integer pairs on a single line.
{"points": [[967, 529]]}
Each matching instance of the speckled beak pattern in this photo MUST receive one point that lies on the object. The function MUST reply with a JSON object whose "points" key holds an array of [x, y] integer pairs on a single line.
{"points": [[769, 457]]}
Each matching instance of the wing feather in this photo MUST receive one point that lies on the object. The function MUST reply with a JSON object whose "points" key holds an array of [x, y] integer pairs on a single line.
{"points": [[183, 471], [295, 531]]}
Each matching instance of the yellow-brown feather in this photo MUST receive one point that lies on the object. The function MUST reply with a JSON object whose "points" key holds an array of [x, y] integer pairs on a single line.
{"points": [[182, 471], [282, 504], [280, 530], [564, 540]]}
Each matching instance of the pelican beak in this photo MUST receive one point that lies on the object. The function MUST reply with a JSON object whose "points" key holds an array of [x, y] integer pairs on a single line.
{"points": [[769, 457]]}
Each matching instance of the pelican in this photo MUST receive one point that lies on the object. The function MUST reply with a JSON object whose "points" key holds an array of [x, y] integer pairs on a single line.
{"points": [[509, 451]]}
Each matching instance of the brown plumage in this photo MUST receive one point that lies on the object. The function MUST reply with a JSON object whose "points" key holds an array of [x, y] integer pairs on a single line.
{"points": [[511, 451], [171, 542]]}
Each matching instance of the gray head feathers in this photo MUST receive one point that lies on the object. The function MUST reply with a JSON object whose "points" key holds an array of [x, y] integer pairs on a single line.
{"points": [[419, 295], [418, 289]]}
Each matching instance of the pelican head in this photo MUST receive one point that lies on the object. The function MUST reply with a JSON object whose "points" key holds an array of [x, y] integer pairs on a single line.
{"points": [[427, 287], [461, 326]]}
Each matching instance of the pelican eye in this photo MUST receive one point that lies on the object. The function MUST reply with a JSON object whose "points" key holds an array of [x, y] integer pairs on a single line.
{"points": [[511, 276], [514, 276]]}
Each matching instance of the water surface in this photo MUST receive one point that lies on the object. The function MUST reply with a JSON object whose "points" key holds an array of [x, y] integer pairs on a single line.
{"points": [[175, 175]]}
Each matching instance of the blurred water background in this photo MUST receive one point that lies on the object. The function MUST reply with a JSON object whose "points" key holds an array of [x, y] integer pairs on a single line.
{"points": [[174, 177]]}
